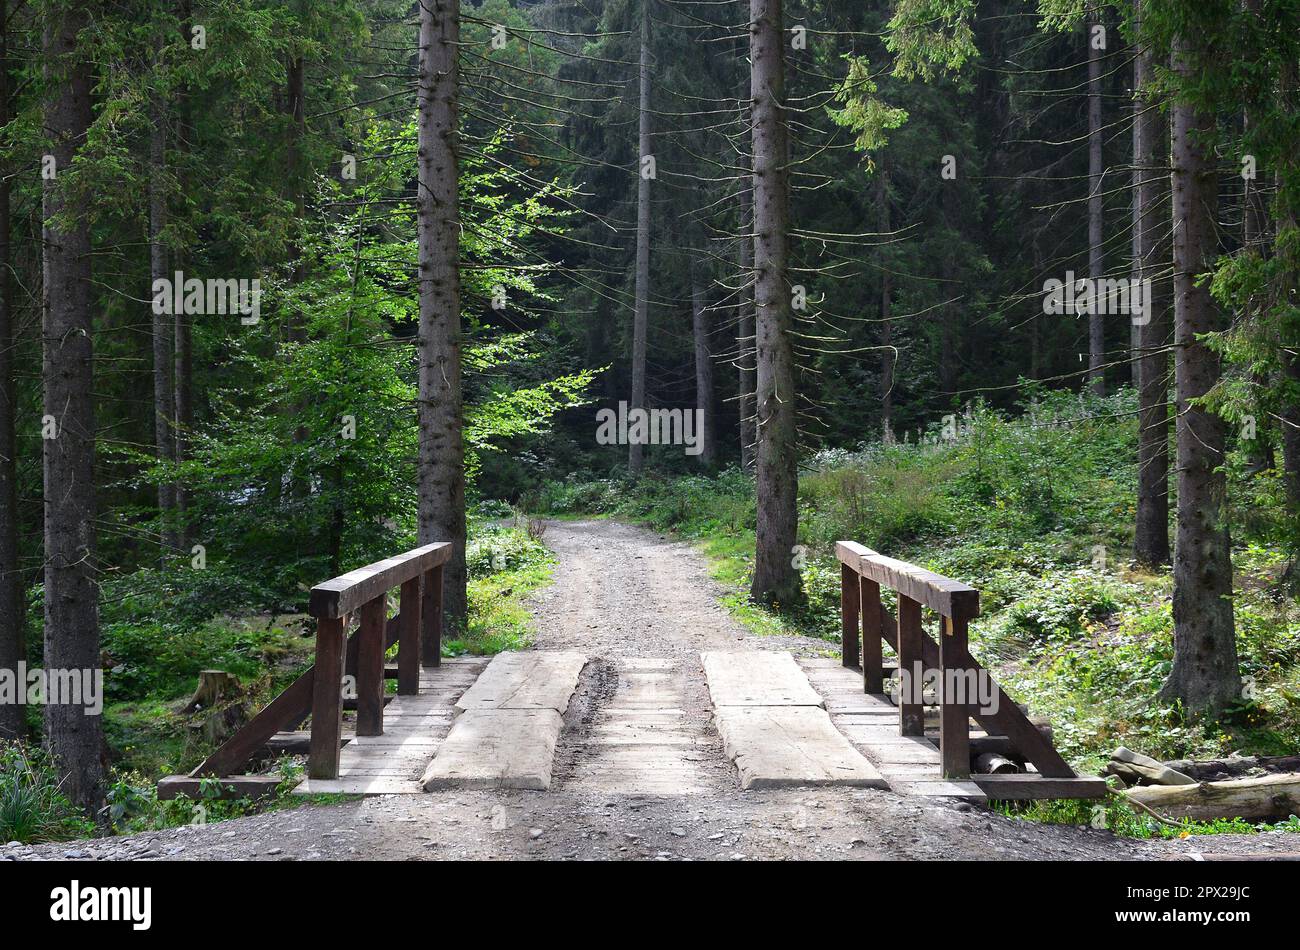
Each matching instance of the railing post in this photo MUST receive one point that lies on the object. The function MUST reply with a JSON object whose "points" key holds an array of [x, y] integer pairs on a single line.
{"points": [[911, 668], [873, 676], [408, 638], [370, 667], [954, 711], [849, 615], [431, 617], [327, 700]]}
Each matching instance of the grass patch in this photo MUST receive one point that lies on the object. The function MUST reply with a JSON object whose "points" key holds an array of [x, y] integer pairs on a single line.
{"points": [[505, 564], [1121, 818]]}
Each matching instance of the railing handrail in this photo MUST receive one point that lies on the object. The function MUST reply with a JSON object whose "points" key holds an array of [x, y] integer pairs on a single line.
{"points": [[418, 635], [342, 595], [866, 624], [417, 631], [945, 596]]}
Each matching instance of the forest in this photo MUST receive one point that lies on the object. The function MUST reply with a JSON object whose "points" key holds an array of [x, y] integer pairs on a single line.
{"points": [[1003, 288]]}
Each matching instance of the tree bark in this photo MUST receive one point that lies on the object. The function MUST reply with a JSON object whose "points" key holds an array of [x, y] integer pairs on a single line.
{"points": [[1204, 677], [745, 356], [182, 343], [948, 316], [1096, 250], [13, 643], [1253, 799], [442, 446], [1291, 427], [745, 337], [888, 356], [641, 312], [162, 330], [703, 375], [183, 414], [1254, 237], [1151, 528], [75, 739], [1289, 221], [776, 531]]}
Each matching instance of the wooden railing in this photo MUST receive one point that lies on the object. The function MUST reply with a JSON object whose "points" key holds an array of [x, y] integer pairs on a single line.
{"points": [[417, 629], [866, 624], [419, 642]]}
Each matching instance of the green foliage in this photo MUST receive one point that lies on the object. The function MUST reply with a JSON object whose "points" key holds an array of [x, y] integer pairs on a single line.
{"points": [[863, 112], [307, 462], [931, 37], [505, 563], [32, 807]]}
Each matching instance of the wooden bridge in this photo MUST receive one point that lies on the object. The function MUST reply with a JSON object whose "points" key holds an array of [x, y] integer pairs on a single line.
{"points": [[782, 721]]}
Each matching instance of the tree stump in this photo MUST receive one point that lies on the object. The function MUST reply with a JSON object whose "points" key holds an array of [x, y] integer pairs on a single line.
{"points": [[214, 686]]}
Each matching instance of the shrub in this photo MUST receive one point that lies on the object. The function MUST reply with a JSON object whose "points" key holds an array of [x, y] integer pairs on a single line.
{"points": [[32, 808]]}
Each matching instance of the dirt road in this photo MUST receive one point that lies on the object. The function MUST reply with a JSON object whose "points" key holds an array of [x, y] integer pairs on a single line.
{"points": [[642, 607]]}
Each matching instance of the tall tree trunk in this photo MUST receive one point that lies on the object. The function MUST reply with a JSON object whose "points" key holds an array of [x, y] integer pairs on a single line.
{"points": [[1136, 219], [182, 342], [1287, 222], [1204, 677], [1254, 237], [1291, 423], [1151, 530], [948, 316], [745, 356], [442, 445], [183, 414], [75, 739], [775, 577], [888, 356], [13, 644], [162, 330], [1035, 333], [703, 375], [1096, 250], [641, 313]]}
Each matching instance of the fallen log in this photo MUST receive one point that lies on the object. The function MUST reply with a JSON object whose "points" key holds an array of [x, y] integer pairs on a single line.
{"points": [[991, 763], [1253, 799], [1237, 765], [1133, 768]]}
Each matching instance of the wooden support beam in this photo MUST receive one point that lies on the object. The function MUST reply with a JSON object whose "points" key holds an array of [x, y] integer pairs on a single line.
{"points": [[431, 618], [954, 711], [408, 643], [370, 668], [850, 612], [1028, 786], [327, 700], [911, 715], [1008, 720], [232, 786], [296, 742], [873, 674], [285, 713], [235, 752]]}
